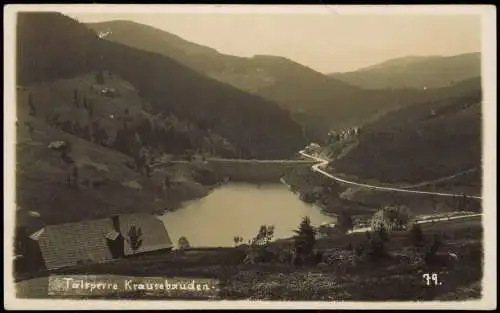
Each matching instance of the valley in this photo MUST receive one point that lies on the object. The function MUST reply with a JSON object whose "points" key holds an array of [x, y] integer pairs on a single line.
{"points": [[318, 102], [279, 181]]}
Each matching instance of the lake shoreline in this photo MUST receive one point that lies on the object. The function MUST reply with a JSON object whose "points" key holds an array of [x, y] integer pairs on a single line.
{"points": [[239, 209]]}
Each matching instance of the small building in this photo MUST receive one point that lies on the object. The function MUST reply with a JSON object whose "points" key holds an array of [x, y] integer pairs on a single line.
{"points": [[327, 230], [109, 92], [98, 241]]}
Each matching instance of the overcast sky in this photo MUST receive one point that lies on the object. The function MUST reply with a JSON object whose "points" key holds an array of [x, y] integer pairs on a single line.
{"points": [[325, 42]]}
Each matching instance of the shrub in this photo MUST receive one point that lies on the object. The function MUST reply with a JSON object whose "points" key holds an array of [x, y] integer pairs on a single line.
{"points": [[359, 250], [345, 222], [430, 256], [134, 236], [183, 243], [99, 78], [100, 134], [417, 235], [237, 240], [204, 176], [259, 254], [309, 196], [284, 256], [65, 148], [236, 256], [374, 248], [130, 164], [382, 234]]}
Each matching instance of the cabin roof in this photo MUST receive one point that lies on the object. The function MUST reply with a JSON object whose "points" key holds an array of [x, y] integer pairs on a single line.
{"points": [[67, 244], [36, 235]]}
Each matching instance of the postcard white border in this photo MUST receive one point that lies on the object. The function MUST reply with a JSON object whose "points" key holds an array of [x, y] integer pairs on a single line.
{"points": [[488, 15]]}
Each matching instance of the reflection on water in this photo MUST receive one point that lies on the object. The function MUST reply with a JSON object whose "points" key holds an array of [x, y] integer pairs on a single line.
{"points": [[238, 209]]}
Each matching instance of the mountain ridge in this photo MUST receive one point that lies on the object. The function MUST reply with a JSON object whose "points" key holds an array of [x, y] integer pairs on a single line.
{"points": [[317, 101], [395, 61], [433, 71]]}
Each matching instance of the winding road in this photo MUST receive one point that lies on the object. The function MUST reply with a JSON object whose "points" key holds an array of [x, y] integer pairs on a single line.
{"points": [[323, 162], [319, 169]]}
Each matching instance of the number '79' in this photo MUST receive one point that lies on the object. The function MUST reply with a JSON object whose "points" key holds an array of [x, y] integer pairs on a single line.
{"points": [[432, 277]]}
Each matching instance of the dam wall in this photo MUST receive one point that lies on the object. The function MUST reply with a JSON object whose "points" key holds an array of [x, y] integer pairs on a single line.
{"points": [[255, 170]]}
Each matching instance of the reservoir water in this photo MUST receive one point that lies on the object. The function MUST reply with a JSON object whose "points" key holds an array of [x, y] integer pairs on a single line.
{"points": [[239, 209]]}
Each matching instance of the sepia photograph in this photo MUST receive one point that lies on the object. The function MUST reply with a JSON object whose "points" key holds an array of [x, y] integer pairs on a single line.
{"points": [[246, 156]]}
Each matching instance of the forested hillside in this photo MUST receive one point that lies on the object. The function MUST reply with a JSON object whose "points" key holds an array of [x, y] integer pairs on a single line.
{"points": [[256, 127], [424, 141]]}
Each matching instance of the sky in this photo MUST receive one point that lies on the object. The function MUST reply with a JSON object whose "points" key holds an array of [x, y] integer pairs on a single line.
{"points": [[326, 43]]}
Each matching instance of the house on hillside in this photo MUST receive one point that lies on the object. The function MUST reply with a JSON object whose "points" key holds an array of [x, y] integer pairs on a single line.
{"points": [[313, 148], [98, 241], [109, 92]]}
